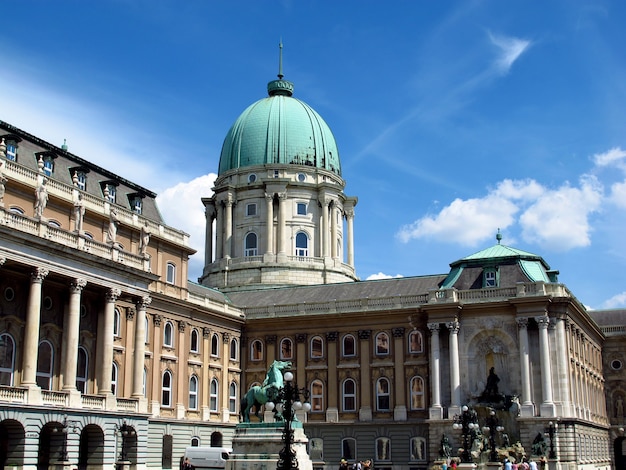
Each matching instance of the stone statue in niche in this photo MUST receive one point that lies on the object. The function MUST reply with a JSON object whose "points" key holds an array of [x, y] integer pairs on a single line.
{"points": [[491, 393]]}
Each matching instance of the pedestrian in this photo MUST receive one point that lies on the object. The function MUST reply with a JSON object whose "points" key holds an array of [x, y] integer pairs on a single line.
{"points": [[187, 464], [343, 464], [507, 465]]}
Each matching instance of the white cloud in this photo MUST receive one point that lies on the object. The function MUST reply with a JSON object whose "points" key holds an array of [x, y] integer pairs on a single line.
{"points": [[510, 49], [614, 157], [373, 277], [617, 301], [559, 219], [618, 194], [181, 207], [467, 222]]}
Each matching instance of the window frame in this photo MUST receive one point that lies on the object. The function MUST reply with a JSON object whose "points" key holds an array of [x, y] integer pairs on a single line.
{"points": [[300, 249], [215, 345], [168, 335], [114, 377], [381, 349], [170, 273], [117, 320], [82, 379], [259, 351], [415, 347], [11, 152], [305, 209], [383, 396], [194, 341], [314, 351], [251, 209], [193, 392], [232, 398], [42, 375], [214, 388], [167, 389], [289, 354], [343, 345], [7, 369], [234, 349], [348, 395], [420, 393], [490, 277], [317, 396], [250, 239]]}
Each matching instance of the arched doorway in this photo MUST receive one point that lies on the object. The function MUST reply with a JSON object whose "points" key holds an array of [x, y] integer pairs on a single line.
{"points": [[11, 444], [91, 451], [52, 445], [216, 439]]}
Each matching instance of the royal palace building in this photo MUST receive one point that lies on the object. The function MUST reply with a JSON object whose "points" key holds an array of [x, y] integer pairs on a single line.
{"points": [[109, 355]]}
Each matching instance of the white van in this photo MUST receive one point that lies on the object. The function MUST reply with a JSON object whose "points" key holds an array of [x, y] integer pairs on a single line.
{"points": [[207, 457]]}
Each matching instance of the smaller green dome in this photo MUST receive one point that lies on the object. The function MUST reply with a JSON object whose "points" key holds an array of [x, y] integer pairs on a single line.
{"points": [[279, 129]]}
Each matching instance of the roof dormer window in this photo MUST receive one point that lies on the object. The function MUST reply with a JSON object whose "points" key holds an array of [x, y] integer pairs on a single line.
{"points": [[79, 178], [11, 151], [136, 203], [9, 146], [109, 190], [490, 278]]}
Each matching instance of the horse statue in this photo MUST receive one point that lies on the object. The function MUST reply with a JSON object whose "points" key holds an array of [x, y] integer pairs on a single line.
{"points": [[259, 395]]}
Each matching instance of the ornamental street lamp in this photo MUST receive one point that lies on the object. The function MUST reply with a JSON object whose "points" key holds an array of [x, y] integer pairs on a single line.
{"points": [[551, 433], [126, 432], [467, 422], [492, 427], [66, 426], [288, 402]]}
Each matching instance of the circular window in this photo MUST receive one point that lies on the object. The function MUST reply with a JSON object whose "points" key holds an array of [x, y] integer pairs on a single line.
{"points": [[251, 178], [301, 177], [47, 303], [616, 364], [9, 294]]}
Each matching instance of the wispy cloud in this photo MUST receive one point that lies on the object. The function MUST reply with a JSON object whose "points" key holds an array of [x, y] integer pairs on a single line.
{"points": [[616, 301], [509, 50]]}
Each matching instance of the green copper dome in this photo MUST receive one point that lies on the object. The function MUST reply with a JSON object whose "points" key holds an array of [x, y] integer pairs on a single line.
{"points": [[279, 129]]}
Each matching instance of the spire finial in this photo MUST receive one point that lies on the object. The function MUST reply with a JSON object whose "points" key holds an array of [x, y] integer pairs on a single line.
{"points": [[280, 59], [498, 236]]}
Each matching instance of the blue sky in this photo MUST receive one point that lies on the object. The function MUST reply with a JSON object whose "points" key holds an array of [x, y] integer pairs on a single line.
{"points": [[453, 119]]}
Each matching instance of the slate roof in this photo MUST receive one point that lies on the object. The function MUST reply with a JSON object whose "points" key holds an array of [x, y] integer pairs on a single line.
{"points": [[341, 291], [615, 317]]}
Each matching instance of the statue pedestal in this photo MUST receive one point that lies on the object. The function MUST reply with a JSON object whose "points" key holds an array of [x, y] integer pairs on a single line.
{"points": [[256, 446]]}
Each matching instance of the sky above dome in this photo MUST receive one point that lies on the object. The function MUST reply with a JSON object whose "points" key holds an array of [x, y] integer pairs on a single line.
{"points": [[452, 119]]}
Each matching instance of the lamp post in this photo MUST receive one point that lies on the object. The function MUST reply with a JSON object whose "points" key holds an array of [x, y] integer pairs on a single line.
{"points": [[288, 402], [125, 431], [551, 433], [493, 426], [66, 425], [467, 422]]}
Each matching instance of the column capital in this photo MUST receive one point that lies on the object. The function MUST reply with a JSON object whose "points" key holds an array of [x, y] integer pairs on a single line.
{"points": [[112, 295], [365, 334], [522, 322], [77, 285], [270, 339], [130, 313], [38, 275], [349, 213], [225, 338], [143, 303], [182, 324], [301, 338], [269, 197], [157, 319], [282, 196], [433, 327], [453, 326], [332, 336], [543, 321], [206, 332]]}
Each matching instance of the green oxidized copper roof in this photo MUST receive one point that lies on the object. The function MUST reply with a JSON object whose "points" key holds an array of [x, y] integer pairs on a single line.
{"points": [[279, 129], [498, 251]]}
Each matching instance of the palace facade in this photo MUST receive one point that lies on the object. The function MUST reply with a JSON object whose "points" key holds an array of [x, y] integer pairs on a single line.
{"points": [[109, 355]]}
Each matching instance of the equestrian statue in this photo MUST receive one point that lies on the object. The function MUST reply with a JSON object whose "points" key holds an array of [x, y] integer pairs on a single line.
{"points": [[259, 395]]}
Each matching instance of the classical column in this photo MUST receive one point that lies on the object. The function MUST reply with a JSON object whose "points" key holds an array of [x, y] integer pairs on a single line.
{"points": [[365, 412], [301, 354], [436, 411], [547, 406], [182, 376], [228, 227], [524, 360], [71, 330], [332, 410], [325, 230], [399, 348], [225, 394], [209, 215], [219, 231], [455, 377], [282, 229], [206, 349], [31, 334], [333, 230], [269, 229], [563, 367], [105, 368], [350, 222], [140, 346]]}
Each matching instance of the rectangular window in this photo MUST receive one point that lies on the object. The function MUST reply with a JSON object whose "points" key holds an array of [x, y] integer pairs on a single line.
{"points": [[48, 166], [136, 206], [81, 180], [301, 208], [112, 193], [250, 210], [490, 278], [171, 273], [11, 151]]}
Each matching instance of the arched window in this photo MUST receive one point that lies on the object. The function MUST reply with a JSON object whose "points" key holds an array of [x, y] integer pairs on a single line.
{"points": [[7, 359], [349, 395], [232, 398], [170, 276], [417, 393], [82, 367], [256, 350], [382, 394], [348, 346], [348, 448], [418, 448], [317, 347], [147, 330], [194, 341], [251, 245], [416, 344], [286, 349], [114, 379], [116, 323], [193, 392], [166, 389], [45, 361], [317, 396], [382, 344], [234, 349], [213, 395], [302, 244], [215, 345], [168, 335], [195, 441], [383, 449]]}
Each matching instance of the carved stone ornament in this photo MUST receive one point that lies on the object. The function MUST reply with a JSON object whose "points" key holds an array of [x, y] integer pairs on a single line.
{"points": [[206, 332], [398, 332], [365, 334], [181, 326], [332, 336], [301, 338], [270, 339], [157, 319]]}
